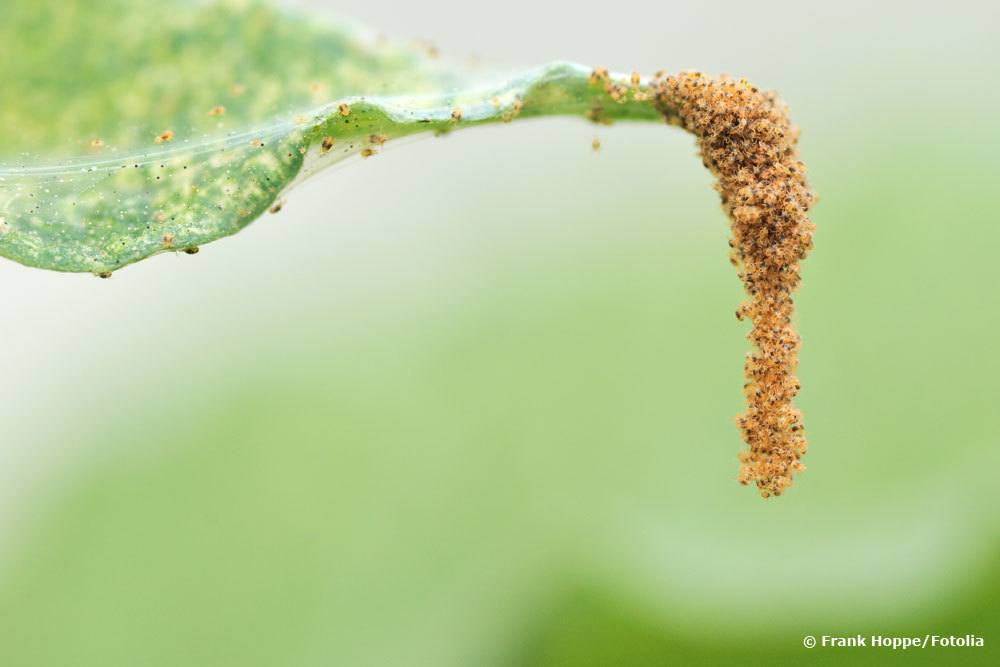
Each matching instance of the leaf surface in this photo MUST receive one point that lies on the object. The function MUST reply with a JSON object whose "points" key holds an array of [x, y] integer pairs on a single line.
{"points": [[131, 129]]}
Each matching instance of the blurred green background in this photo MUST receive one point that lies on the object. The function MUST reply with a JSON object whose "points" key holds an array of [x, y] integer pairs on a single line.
{"points": [[470, 403]]}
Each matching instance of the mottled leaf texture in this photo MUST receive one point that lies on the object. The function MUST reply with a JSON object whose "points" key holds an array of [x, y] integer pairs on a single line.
{"points": [[133, 128]]}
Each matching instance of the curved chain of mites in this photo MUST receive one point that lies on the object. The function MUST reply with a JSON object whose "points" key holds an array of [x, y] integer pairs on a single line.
{"points": [[747, 141]]}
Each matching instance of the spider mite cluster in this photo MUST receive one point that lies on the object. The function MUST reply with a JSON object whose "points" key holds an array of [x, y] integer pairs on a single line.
{"points": [[747, 141]]}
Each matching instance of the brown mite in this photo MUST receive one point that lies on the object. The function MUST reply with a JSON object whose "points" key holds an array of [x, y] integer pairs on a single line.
{"points": [[599, 75], [191, 250]]}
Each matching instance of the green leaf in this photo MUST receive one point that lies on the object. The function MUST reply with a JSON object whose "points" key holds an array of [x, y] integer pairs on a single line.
{"points": [[132, 129]]}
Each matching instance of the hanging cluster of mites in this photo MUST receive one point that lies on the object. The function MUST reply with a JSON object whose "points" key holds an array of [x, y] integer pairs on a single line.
{"points": [[748, 143]]}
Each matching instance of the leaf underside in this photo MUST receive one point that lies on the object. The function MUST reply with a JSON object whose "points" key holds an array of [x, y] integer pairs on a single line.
{"points": [[131, 130]]}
